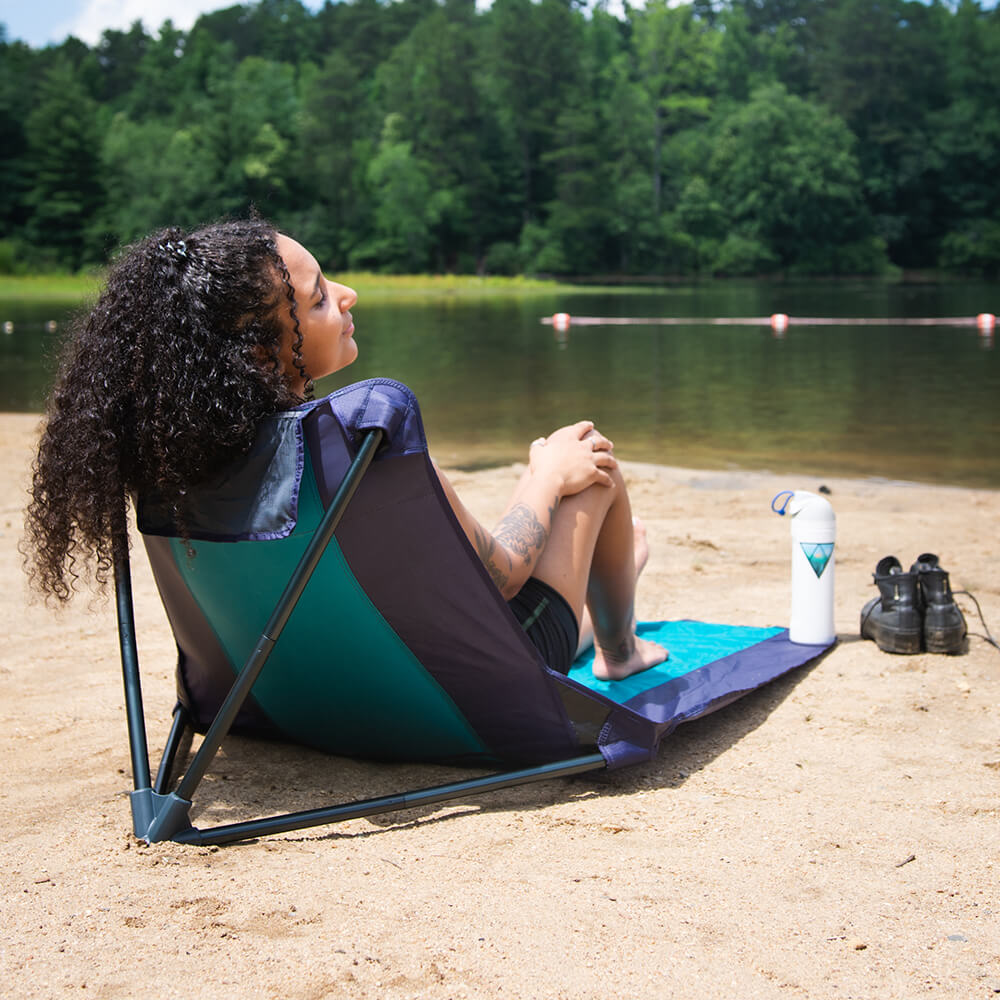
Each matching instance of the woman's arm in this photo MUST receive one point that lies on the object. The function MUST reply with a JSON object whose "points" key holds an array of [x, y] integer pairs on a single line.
{"points": [[567, 462]]}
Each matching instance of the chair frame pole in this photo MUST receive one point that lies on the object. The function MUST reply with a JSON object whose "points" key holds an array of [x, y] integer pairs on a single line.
{"points": [[161, 815], [182, 720], [138, 745], [142, 796]]}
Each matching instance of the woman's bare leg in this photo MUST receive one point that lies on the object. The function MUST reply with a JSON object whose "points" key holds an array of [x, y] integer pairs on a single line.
{"points": [[590, 558], [640, 552]]}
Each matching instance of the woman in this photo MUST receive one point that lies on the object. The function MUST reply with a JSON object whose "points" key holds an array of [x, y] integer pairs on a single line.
{"points": [[199, 336]]}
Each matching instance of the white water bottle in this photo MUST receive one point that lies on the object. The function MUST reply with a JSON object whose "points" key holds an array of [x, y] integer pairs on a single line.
{"points": [[814, 532]]}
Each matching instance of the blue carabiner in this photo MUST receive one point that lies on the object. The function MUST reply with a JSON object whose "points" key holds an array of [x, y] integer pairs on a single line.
{"points": [[788, 494]]}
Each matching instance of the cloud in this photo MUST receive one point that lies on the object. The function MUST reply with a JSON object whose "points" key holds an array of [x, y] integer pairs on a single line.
{"points": [[97, 15]]}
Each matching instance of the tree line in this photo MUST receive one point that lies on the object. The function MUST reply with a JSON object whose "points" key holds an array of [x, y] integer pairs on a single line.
{"points": [[541, 136]]}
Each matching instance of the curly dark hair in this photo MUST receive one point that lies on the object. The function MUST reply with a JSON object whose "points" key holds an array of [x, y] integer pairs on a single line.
{"points": [[160, 386]]}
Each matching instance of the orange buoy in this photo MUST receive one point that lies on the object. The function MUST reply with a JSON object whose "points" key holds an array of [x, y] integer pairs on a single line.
{"points": [[779, 322], [986, 322], [561, 321]]}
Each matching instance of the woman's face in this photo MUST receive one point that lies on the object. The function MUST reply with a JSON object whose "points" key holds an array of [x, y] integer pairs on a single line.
{"points": [[323, 309]]}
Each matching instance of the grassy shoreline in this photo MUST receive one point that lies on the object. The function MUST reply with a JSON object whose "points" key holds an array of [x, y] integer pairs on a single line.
{"points": [[446, 286], [72, 289], [68, 289]]}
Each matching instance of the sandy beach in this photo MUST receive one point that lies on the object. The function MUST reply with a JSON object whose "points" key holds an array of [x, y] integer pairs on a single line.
{"points": [[835, 834]]}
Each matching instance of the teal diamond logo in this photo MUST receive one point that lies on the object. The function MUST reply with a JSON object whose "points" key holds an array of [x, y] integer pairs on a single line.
{"points": [[818, 554]]}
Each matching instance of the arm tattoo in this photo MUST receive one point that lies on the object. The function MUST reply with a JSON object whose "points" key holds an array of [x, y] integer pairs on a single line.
{"points": [[486, 548], [521, 533]]}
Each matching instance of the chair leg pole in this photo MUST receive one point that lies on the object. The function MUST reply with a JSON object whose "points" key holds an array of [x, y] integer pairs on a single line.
{"points": [[130, 673], [177, 730]]}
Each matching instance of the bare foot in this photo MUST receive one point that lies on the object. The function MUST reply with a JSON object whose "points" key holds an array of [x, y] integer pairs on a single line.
{"points": [[632, 657]]}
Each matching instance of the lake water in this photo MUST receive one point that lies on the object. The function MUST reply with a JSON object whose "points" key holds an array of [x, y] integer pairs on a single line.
{"points": [[888, 401]]}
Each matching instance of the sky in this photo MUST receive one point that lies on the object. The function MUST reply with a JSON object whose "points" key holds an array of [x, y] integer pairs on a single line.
{"points": [[39, 23]]}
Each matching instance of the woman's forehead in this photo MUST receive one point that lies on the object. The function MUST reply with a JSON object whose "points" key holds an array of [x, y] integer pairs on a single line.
{"points": [[299, 261]]}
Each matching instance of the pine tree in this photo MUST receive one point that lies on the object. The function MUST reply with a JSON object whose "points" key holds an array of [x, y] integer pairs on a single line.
{"points": [[64, 153]]}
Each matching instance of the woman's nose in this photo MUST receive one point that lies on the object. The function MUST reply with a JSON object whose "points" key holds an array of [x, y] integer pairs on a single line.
{"points": [[346, 297]]}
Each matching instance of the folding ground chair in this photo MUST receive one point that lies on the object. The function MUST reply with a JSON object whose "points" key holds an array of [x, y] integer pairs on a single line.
{"points": [[325, 594]]}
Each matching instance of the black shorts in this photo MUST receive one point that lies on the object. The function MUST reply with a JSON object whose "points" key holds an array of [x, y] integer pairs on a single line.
{"points": [[548, 621]]}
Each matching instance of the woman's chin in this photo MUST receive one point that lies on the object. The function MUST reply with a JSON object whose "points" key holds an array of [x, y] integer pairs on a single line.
{"points": [[347, 358], [352, 353]]}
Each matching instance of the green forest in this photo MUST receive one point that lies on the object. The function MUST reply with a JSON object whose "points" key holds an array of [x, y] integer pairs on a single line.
{"points": [[537, 136]]}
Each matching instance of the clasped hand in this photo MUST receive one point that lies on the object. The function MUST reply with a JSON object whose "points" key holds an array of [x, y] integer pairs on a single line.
{"points": [[576, 456]]}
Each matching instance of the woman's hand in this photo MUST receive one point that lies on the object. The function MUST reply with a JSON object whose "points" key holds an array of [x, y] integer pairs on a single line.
{"points": [[575, 457]]}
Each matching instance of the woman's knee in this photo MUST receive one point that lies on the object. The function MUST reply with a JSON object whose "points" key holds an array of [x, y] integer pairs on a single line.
{"points": [[595, 501], [617, 492]]}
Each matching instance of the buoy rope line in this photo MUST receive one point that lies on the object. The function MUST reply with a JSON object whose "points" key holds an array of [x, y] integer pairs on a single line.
{"points": [[985, 321]]}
